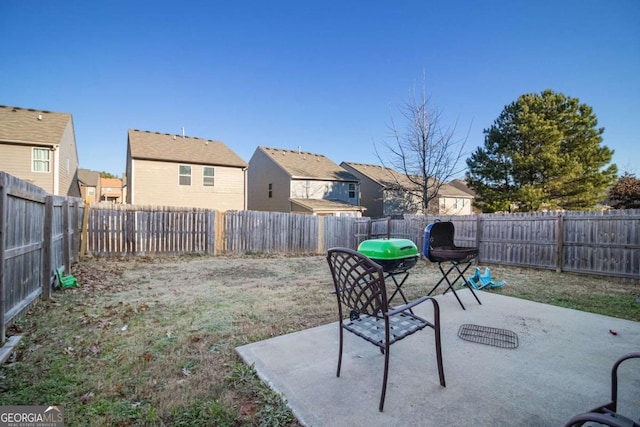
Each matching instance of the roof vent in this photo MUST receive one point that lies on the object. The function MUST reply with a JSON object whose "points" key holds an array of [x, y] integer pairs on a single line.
{"points": [[39, 116], [174, 137]]}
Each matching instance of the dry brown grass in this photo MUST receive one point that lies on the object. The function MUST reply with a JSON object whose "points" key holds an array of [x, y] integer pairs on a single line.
{"points": [[153, 336]]}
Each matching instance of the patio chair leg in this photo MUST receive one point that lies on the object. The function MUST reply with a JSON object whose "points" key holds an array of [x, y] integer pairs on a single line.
{"points": [[436, 328], [384, 378], [339, 353]]}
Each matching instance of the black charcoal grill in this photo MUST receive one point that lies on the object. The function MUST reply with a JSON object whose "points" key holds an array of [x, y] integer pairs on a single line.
{"points": [[439, 247]]}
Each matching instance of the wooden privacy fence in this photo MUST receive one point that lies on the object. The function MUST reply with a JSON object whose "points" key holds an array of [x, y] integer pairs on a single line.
{"points": [[38, 233], [596, 242], [115, 229]]}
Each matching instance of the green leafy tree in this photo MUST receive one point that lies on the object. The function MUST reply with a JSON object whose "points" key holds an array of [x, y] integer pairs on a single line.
{"points": [[107, 175], [543, 152], [625, 193]]}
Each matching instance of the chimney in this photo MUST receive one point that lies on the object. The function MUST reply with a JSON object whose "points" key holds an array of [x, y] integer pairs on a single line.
{"points": [[182, 133]]}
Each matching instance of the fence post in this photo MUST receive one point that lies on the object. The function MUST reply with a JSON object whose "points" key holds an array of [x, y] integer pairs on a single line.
{"points": [[66, 248], [76, 231], [560, 243], [3, 219], [84, 234], [47, 248], [321, 249]]}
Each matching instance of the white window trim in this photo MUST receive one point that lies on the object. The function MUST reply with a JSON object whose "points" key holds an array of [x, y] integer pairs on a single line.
{"points": [[212, 177], [47, 161], [180, 175], [349, 190]]}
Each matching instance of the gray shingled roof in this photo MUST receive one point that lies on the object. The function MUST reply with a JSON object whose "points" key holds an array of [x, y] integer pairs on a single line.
{"points": [[387, 178], [326, 205], [384, 176], [462, 186], [88, 177], [301, 164], [174, 148], [28, 126]]}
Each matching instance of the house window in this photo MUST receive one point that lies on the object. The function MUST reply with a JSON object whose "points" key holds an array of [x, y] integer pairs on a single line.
{"points": [[270, 190], [41, 160], [91, 191], [208, 176], [185, 175], [352, 191]]}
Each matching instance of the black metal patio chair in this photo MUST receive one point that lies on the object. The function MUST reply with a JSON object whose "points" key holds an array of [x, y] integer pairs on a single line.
{"points": [[607, 414], [362, 297]]}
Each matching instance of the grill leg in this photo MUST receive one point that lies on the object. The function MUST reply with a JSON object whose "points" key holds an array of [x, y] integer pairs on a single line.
{"points": [[398, 289], [455, 265]]}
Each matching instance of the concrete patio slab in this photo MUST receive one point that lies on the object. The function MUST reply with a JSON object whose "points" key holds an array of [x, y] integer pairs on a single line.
{"points": [[560, 368]]}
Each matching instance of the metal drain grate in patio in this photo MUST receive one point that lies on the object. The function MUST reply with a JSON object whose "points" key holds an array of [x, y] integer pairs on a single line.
{"points": [[502, 338]]}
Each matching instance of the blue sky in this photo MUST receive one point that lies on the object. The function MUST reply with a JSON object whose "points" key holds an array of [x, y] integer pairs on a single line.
{"points": [[325, 76]]}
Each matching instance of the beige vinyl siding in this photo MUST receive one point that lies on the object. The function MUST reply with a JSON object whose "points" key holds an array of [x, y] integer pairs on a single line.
{"points": [[130, 178], [68, 163], [157, 183], [17, 160], [455, 205], [372, 196], [331, 190], [262, 172], [371, 193]]}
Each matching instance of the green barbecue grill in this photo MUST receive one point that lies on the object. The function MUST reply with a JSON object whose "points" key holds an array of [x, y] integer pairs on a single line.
{"points": [[395, 256]]}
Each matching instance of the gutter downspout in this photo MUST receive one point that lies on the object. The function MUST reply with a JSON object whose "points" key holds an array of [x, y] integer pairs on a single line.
{"points": [[244, 190], [56, 169]]}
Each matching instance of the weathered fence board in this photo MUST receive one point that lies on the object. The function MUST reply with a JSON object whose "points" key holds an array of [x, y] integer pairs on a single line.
{"points": [[595, 243], [38, 233]]}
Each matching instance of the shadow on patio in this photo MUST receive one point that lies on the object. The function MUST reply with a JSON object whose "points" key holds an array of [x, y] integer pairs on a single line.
{"points": [[560, 368]]}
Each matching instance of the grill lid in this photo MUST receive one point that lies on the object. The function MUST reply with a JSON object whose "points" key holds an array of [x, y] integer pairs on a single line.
{"points": [[388, 249]]}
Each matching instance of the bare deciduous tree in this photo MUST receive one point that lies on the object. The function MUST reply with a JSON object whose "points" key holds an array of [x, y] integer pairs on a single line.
{"points": [[422, 150]]}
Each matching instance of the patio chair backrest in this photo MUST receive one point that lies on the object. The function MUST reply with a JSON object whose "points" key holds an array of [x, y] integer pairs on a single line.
{"points": [[358, 282]]}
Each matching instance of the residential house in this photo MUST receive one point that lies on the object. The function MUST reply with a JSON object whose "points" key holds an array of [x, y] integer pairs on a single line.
{"points": [[89, 182], [386, 192], [462, 185], [111, 190], [453, 201], [39, 147], [301, 182], [174, 170]]}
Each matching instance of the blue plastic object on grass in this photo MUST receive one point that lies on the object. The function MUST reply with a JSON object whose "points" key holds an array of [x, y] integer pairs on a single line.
{"points": [[483, 281]]}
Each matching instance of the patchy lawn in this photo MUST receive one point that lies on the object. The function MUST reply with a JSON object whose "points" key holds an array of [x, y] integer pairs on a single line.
{"points": [[150, 341]]}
